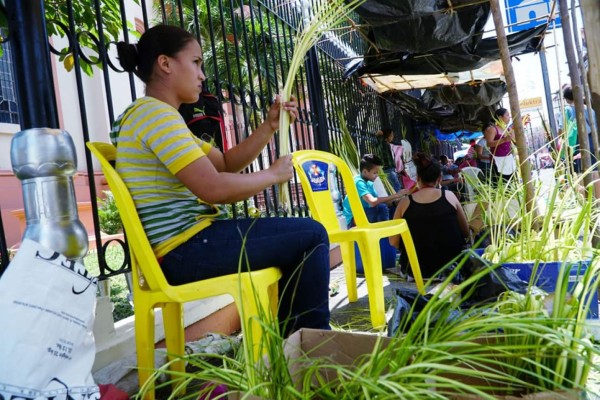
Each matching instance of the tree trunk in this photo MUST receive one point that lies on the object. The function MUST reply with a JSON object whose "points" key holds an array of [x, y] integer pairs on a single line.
{"points": [[513, 98], [584, 81], [582, 135], [590, 10]]}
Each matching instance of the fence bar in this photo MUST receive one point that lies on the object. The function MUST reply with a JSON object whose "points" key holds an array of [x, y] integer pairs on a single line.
{"points": [[3, 248], [315, 93], [33, 72]]}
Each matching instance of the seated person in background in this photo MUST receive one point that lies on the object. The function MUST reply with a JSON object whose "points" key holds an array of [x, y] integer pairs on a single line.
{"points": [[450, 177], [436, 220], [387, 157], [375, 207], [471, 153], [484, 158]]}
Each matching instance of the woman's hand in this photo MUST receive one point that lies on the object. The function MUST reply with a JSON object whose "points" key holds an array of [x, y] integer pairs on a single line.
{"points": [[282, 169], [273, 115]]}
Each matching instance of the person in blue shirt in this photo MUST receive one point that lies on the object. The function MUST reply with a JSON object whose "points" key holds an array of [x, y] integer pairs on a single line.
{"points": [[571, 128], [375, 207]]}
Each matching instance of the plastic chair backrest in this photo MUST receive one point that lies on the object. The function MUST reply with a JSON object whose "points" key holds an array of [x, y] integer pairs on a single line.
{"points": [[471, 175], [312, 167], [142, 256]]}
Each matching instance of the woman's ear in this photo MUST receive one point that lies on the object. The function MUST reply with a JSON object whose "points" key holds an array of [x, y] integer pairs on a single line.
{"points": [[162, 62]]}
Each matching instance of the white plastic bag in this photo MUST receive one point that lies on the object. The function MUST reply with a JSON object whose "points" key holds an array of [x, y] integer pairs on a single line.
{"points": [[46, 317]]}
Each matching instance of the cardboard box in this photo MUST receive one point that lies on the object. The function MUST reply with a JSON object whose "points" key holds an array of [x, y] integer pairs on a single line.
{"points": [[346, 349]]}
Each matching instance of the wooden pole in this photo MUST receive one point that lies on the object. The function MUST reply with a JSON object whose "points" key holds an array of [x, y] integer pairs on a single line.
{"points": [[513, 99], [590, 9], [584, 81], [577, 89]]}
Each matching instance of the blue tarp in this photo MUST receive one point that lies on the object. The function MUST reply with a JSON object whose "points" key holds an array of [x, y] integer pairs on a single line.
{"points": [[458, 135]]}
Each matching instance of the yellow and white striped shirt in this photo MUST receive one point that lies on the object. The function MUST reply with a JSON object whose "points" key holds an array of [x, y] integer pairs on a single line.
{"points": [[153, 144]]}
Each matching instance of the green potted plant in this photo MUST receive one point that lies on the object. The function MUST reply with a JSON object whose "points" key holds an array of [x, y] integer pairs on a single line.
{"points": [[555, 234], [108, 214]]}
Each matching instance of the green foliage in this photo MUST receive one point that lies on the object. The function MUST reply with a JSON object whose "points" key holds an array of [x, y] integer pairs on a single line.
{"points": [[86, 26], [120, 297], [240, 210], [559, 227], [108, 213], [236, 49], [344, 146], [119, 291], [443, 352]]}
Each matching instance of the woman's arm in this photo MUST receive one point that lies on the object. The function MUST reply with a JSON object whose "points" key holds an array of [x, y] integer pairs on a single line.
{"points": [[490, 134], [400, 210], [238, 157], [215, 187], [460, 213], [479, 151]]}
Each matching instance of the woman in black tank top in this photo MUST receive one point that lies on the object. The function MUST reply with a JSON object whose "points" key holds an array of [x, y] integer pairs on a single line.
{"points": [[436, 220]]}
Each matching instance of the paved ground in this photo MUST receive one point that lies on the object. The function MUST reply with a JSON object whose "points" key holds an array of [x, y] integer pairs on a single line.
{"points": [[355, 316]]}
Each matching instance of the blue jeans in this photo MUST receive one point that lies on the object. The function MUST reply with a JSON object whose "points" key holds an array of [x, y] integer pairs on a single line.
{"points": [[298, 246], [392, 176], [381, 212]]}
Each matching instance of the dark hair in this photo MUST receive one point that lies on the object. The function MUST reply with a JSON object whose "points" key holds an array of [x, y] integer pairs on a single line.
{"points": [[444, 158], [428, 170], [386, 132], [369, 161], [568, 93], [159, 40], [499, 113]]}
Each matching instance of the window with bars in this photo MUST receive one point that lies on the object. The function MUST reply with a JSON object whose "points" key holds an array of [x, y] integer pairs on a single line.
{"points": [[9, 109]]}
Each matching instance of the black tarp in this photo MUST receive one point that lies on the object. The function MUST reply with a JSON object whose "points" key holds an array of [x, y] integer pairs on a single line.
{"points": [[418, 37], [470, 55], [418, 26], [466, 106]]}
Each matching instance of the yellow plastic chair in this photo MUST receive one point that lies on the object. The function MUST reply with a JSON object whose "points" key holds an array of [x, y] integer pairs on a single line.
{"points": [[250, 290], [312, 167]]}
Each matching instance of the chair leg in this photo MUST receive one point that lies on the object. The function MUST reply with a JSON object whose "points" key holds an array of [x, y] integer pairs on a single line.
{"points": [[413, 259], [249, 304], [349, 261], [174, 337], [144, 342], [273, 298], [371, 256]]}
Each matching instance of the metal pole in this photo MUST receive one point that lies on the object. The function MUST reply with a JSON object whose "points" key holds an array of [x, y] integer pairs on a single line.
{"points": [[316, 95], [31, 56], [548, 93], [3, 248]]}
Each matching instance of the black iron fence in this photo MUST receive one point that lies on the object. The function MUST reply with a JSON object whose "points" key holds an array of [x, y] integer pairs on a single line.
{"points": [[247, 47]]}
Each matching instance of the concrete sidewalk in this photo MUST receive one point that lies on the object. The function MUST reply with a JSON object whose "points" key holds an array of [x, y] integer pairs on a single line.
{"points": [[355, 316]]}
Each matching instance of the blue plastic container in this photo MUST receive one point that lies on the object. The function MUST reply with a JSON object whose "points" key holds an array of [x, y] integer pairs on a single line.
{"points": [[547, 275]]}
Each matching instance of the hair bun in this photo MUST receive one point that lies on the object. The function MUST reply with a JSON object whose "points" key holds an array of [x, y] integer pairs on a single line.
{"points": [[128, 56], [421, 159]]}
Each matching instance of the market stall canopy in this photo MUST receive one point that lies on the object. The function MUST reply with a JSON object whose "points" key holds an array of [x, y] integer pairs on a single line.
{"points": [[466, 106], [440, 39]]}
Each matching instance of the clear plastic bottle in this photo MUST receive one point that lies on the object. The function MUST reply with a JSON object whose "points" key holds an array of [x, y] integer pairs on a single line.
{"points": [[45, 161]]}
